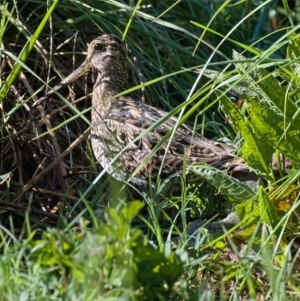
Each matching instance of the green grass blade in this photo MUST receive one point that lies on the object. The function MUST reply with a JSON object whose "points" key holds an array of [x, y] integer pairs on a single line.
{"points": [[25, 52]]}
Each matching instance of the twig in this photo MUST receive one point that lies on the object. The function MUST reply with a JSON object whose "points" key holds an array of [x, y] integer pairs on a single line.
{"points": [[24, 209], [32, 182]]}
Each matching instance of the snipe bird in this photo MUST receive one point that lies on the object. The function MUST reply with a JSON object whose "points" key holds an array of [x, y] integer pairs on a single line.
{"points": [[118, 120]]}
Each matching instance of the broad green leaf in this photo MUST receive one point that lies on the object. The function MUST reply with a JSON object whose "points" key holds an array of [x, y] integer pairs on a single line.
{"points": [[154, 268], [249, 233], [121, 275], [274, 116], [256, 152], [232, 188], [172, 269], [247, 213], [117, 223], [131, 210], [269, 125], [267, 209], [268, 90]]}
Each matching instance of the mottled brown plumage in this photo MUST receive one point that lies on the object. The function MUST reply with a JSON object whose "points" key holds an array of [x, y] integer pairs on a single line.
{"points": [[118, 120]]}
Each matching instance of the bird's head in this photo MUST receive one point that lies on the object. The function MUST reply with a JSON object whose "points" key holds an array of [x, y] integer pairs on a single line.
{"points": [[106, 55], [106, 52]]}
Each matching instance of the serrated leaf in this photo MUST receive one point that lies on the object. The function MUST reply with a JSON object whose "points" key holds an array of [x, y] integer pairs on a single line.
{"points": [[274, 116], [256, 152], [232, 188], [269, 126], [268, 90]]}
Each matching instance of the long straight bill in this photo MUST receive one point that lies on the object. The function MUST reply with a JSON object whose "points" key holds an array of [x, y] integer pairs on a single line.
{"points": [[81, 70]]}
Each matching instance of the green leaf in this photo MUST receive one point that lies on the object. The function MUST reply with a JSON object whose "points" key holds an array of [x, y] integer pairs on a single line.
{"points": [[154, 268], [256, 152], [269, 125], [268, 211], [131, 210], [274, 116], [232, 188], [268, 90], [247, 213]]}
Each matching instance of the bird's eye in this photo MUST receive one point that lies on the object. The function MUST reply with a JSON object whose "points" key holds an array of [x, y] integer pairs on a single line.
{"points": [[99, 47]]}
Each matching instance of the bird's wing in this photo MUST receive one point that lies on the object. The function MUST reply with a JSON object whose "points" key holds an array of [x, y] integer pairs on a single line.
{"points": [[134, 118]]}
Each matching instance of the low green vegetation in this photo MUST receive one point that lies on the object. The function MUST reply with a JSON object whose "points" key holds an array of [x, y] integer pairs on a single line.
{"points": [[229, 70]]}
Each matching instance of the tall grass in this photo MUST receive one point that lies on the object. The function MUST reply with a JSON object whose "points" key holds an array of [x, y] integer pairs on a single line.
{"points": [[58, 240]]}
